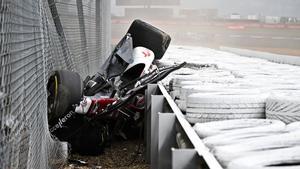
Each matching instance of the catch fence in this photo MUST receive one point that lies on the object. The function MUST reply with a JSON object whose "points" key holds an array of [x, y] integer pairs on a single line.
{"points": [[37, 37]]}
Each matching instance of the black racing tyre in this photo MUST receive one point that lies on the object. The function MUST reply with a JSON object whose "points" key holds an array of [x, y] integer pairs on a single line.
{"points": [[148, 36], [65, 89]]}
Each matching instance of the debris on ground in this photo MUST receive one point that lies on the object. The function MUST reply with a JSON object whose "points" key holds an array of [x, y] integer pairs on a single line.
{"points": [[120, 155]]}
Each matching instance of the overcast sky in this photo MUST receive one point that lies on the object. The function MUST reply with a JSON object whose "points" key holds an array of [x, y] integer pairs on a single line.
{"points": [[245, 7]]}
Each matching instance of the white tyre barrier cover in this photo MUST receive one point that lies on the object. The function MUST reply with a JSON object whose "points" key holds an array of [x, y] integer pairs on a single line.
{"points": [[176, 81], [226, 105], [195, 109], [237, 135], [227, 153], [293, 126], [283, 107], [232, 138], [181, 104], [185, 91], [175, 94], [226, 98], [209, 117], [271, 159], [204, 118], [237, 126]]}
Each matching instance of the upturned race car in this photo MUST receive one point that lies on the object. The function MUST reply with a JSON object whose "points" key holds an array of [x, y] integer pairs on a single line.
{"points": [[89, 113]]}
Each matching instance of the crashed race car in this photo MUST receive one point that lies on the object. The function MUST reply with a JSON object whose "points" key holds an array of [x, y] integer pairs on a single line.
{"points": [[89, 114]]}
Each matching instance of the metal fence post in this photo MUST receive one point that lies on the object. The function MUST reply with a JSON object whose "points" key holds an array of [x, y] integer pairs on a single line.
{"points": [[83, 41]]}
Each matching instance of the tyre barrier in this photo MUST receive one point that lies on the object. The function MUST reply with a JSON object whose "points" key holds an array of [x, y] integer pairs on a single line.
{"points": [[217, 117], [226, 98], [237, 126], [233, 138], [283, 107], [227, 106], [227, 153], [284, 158], [212, 107], [207, 86], [176, 81], [237, 135], [248, 74], [185, 91], [293, 126], [181, 105]]}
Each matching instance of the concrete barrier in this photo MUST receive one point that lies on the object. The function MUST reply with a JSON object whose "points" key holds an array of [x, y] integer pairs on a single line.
{"points": [[285, 59]]}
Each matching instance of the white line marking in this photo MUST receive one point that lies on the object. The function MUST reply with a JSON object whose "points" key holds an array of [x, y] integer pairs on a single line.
{"points": [[279, 38], [235, 36], [257, 37]]}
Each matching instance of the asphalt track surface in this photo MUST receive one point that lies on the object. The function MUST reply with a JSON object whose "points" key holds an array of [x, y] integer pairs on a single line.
{"points": [[274, 39]]}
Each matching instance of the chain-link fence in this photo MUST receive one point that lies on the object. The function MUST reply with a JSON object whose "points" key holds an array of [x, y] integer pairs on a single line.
{"points": [[37, 37]]}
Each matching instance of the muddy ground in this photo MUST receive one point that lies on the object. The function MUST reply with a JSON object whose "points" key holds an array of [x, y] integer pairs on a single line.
{"points": [[120, 155]]}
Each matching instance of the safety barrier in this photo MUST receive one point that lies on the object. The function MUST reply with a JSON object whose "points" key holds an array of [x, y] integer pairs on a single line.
{"points": [[36, 38], [163, 120]]}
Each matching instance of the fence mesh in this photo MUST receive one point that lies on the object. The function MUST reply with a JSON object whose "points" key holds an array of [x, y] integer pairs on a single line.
{"points": [[37, 37]]}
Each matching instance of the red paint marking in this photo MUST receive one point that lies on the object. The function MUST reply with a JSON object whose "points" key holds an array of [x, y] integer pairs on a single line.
{"points": [[146, 53], [236, 27]]}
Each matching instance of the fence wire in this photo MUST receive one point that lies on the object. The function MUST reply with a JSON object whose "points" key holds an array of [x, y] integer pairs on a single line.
{"points": [[37, 37]]}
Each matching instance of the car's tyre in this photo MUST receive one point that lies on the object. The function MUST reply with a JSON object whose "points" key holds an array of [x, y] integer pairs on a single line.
{"points": [[241, 125], [285, 158], [65, 89], [284, 108], [148, 36], [227, 153]]}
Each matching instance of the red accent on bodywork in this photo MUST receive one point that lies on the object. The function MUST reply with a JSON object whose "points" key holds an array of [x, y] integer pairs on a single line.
{"points": [[104, 102], [146, 53]]}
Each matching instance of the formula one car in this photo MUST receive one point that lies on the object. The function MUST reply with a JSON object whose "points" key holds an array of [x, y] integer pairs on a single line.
{"points": [[89, 114]]}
